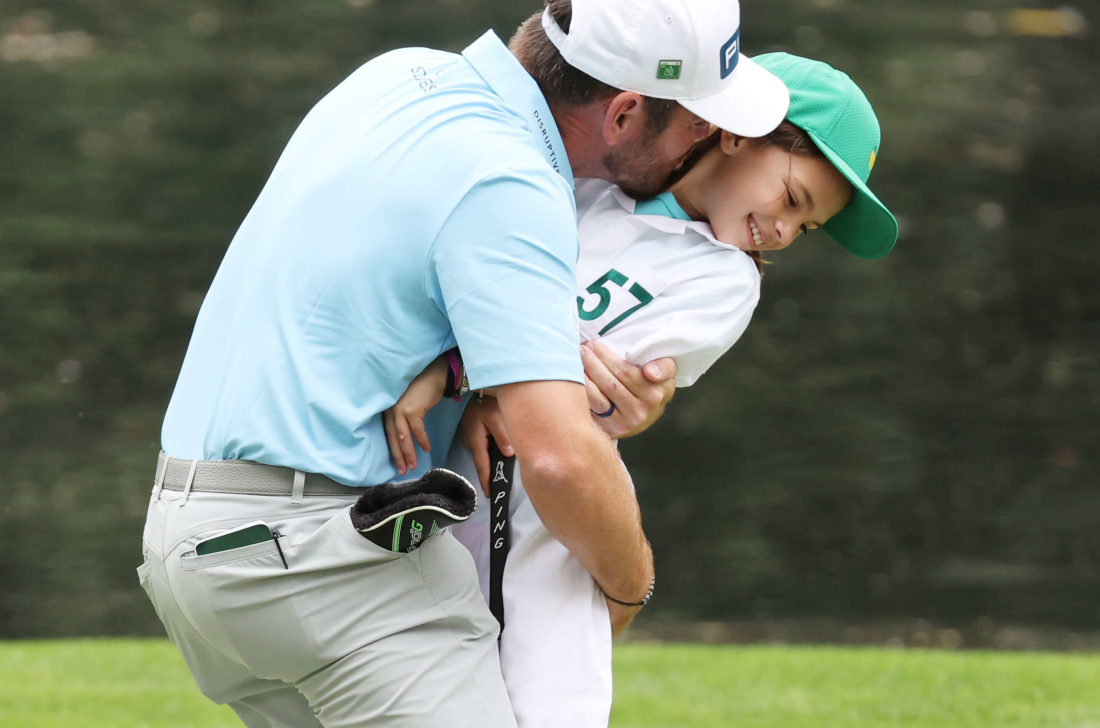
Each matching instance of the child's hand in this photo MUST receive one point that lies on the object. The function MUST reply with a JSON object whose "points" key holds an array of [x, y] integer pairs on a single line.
{"points": [[480, 421], [405, 420]]}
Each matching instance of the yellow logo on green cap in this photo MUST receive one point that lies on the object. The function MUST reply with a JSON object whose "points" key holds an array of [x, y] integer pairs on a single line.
{"points": [[871, 161], [669, 69]]}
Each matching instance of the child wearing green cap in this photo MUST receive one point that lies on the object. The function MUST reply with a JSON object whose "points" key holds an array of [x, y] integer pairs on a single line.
{"points": [[828, 142], [678, 276]]}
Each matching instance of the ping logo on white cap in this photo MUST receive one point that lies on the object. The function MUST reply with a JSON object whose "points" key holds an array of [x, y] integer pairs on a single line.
{"points": [[731, 53]]}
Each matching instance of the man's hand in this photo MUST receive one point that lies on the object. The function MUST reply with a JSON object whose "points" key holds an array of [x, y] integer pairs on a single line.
{"points": [[638, 394], [480, 421]]}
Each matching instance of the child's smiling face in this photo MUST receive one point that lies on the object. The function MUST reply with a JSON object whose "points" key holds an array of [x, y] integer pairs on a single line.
{"points": [[761, 197]]}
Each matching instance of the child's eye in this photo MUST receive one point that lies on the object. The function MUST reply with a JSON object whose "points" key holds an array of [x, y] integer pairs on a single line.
{"points": [[790, 198]]}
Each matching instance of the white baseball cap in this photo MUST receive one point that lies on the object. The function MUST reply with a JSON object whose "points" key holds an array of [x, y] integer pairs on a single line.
{"points": [[687, 50]]}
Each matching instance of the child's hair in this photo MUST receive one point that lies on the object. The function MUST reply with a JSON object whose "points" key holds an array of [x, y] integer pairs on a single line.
{"points": [[792, 138]]}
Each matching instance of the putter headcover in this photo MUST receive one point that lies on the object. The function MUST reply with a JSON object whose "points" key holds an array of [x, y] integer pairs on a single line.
{"points": [[399, 516]]}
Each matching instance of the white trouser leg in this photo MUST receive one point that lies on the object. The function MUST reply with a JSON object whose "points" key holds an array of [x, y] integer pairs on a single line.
{"points": [[366, 637], [556, 646]]}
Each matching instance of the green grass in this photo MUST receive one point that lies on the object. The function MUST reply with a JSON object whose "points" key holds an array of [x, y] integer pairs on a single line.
{"points": [[117, 683], [144, 684], [661, 686]]}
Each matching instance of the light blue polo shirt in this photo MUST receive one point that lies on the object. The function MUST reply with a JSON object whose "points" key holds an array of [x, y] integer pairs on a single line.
{"points": [[425, 201]]}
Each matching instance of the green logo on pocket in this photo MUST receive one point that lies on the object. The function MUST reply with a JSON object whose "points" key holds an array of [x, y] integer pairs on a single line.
{"points": [[669, 69]]}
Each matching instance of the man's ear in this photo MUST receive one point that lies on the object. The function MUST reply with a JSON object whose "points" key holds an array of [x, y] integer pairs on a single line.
{"points": [[624, 117], [732, 143]]}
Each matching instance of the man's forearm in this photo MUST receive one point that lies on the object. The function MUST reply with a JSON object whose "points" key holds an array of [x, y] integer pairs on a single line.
{"points": [[589, 504], [579, 487]]}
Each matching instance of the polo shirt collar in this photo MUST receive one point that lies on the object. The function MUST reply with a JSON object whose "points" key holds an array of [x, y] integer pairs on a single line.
{"points": [[510, 80], [665, 224]]}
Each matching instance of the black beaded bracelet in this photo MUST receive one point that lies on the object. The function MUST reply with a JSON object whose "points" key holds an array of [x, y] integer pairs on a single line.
{"points": [[645, 599]]}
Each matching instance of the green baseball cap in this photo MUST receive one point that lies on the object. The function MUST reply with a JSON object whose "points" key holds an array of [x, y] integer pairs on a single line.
{"points": [[829, 106]]}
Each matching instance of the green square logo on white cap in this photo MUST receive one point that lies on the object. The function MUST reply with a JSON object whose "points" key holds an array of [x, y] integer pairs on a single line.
{"points": [[669, 69]]}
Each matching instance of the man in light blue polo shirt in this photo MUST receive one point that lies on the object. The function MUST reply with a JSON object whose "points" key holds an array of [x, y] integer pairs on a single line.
{"points": [[425, 202]]}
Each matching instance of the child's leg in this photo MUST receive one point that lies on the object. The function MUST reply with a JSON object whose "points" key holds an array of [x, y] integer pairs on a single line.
{"points": [[556, 646]]}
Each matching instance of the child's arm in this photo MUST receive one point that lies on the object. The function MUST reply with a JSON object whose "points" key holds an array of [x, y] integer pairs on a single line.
{"points": [[695, 319], [405, 420]]}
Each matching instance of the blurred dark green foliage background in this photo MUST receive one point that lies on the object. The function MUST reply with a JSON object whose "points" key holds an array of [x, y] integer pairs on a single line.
{"points": [[909, 438]]}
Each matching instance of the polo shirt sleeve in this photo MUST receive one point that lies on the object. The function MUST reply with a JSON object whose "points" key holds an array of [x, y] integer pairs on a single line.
{"points": [[694, 321], [502, 267]]}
